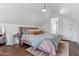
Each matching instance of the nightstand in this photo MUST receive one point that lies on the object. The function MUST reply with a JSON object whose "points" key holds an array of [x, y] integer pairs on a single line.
{"points": [[16, 39]]}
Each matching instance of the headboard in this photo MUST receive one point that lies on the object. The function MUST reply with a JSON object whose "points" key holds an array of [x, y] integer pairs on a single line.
{"points": [[31, 28], [28, 28], [21, 29]]}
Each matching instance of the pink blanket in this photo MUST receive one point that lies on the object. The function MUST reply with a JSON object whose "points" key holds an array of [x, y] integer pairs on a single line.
{"points": [[26, 37], [47, 47]]}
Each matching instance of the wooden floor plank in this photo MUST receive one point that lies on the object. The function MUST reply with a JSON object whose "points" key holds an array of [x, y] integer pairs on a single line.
{"points": [[14, 50]]}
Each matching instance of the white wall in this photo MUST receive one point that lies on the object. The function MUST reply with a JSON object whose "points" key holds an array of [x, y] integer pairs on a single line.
{"points": [[78, 33], [46, 26], [68, 29], [10, 30]]}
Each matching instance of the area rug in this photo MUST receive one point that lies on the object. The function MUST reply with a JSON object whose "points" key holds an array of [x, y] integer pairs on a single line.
{"points": [[37, 52]]}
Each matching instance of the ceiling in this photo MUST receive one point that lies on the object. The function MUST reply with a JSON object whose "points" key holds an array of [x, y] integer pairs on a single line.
{"points": [[31, 13]]}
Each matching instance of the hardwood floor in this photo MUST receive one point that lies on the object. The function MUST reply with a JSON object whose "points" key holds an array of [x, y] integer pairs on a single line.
{"points": [[14, 50], [19, 50]]}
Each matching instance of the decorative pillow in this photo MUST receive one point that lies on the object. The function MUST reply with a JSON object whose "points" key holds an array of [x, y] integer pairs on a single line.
{"points": [[37, 32], [47, 47]]}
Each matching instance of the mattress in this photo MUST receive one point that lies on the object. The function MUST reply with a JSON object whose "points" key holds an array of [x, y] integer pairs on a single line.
{"points": [[27, 42]]}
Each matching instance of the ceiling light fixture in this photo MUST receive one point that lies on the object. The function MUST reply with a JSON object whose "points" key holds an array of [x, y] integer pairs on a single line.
{"points": [[62, 11], [44, 8]]}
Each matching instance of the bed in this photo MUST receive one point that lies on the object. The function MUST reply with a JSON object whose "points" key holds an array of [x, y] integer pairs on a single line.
{"points": [[40, 40], [27, 32]]}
